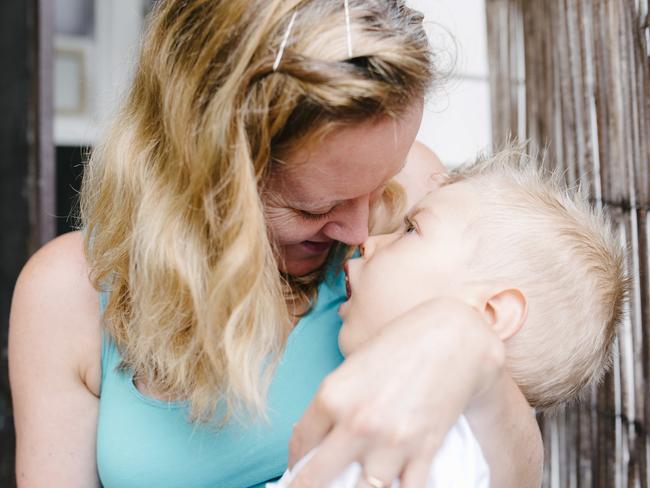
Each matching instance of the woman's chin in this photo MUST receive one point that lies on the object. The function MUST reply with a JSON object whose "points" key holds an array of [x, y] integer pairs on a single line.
{"points": [[302, 267], [300, 260]]}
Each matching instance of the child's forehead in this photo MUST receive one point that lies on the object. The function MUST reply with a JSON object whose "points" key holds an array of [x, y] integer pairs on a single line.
{"points": [[454, 197], [449, 212]]}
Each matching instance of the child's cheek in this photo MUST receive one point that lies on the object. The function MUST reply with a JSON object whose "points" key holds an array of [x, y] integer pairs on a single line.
{"points": [[357, 329]]}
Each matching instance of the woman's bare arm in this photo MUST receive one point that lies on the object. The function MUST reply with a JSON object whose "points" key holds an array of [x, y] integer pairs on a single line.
{"points": [[427, 366], [505, 426], [54, 357]]}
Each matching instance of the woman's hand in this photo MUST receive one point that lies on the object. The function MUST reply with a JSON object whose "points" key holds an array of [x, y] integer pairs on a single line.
{"points": [[391, 403]]}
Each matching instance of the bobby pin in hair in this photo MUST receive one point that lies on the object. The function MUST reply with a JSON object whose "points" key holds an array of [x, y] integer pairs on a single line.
{"points": [[283, 44], [347, 26], [285, 39]]}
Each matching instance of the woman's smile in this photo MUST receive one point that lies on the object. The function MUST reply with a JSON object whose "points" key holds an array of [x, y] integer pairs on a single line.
{"points": [[335, 182], [317, 247]]}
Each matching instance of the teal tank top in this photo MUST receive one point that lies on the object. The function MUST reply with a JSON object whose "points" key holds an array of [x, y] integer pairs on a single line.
{"points": [[145, 442]]}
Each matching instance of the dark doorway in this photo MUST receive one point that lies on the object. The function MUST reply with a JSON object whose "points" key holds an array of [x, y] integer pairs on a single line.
{"points": [[69, 171]]}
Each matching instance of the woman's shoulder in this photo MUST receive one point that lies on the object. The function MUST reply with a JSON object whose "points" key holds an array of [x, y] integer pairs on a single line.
{"points": [[55, 305], [421, 173]]}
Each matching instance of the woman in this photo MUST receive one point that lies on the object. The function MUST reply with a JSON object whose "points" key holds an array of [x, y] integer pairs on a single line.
{"points": [[255, 141]]}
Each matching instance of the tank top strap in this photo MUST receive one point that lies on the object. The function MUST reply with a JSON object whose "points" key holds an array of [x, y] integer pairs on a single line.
{"points": [[110, 355]]}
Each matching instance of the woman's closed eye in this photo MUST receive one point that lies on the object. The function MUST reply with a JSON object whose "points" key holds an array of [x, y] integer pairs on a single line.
{"points": [[315, 216]]}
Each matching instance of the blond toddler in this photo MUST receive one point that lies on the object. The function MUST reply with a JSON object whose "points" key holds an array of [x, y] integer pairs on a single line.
{"points": [[541, 265]]}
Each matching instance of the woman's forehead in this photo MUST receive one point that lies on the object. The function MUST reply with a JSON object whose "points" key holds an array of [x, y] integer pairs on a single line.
{"points": [[349, 162], [332, 179]]}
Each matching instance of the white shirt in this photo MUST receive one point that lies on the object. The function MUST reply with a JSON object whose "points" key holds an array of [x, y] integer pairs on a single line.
{"points": [[459, 463]]}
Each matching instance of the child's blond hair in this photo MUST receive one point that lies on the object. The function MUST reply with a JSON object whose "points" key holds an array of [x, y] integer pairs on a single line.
{"points": [[566, 258]]}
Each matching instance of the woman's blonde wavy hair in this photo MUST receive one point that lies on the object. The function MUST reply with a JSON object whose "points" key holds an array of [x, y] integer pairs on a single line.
{"points": [[170, 202]]}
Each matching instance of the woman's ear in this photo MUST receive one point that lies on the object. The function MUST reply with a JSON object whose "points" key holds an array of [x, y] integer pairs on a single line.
{"points": [[506, 312]]}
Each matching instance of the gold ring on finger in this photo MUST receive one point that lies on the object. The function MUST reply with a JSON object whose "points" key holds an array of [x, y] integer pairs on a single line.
{"points": [[374, 482]]}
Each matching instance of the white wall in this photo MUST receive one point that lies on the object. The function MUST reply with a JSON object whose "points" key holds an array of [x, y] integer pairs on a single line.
{"points": [[104, 37], [456, 122], [457, 116]]}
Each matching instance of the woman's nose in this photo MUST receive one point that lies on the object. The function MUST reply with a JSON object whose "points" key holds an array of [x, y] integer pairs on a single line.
{"points": [[351, 224]]}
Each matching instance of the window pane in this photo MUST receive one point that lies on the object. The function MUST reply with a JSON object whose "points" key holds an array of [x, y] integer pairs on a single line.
{"points": [[75, 17]]}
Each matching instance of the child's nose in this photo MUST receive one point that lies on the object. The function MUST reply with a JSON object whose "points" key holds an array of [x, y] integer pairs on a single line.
{"points": [[373, 243]]}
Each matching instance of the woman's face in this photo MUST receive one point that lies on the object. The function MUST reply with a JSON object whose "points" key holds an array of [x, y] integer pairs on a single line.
{"points": [[322, 193]]}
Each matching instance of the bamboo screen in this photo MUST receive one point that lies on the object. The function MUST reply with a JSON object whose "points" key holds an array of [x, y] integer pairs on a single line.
{"points": [[573, 76]]}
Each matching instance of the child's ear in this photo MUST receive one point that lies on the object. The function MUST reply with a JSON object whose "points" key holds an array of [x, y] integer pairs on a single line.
{"points": [[506, 312]]}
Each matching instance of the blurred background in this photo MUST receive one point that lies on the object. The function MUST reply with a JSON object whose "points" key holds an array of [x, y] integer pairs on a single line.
{"points": [[571, 76]]}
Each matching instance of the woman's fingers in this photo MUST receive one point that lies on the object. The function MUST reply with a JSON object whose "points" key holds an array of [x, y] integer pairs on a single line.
{"points": [[381, 466], [310, 430], [366, 408], [417, 470], [334, 454]]}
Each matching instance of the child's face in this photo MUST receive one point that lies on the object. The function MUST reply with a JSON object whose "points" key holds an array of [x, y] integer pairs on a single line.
{"points": [[427, 258]]}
